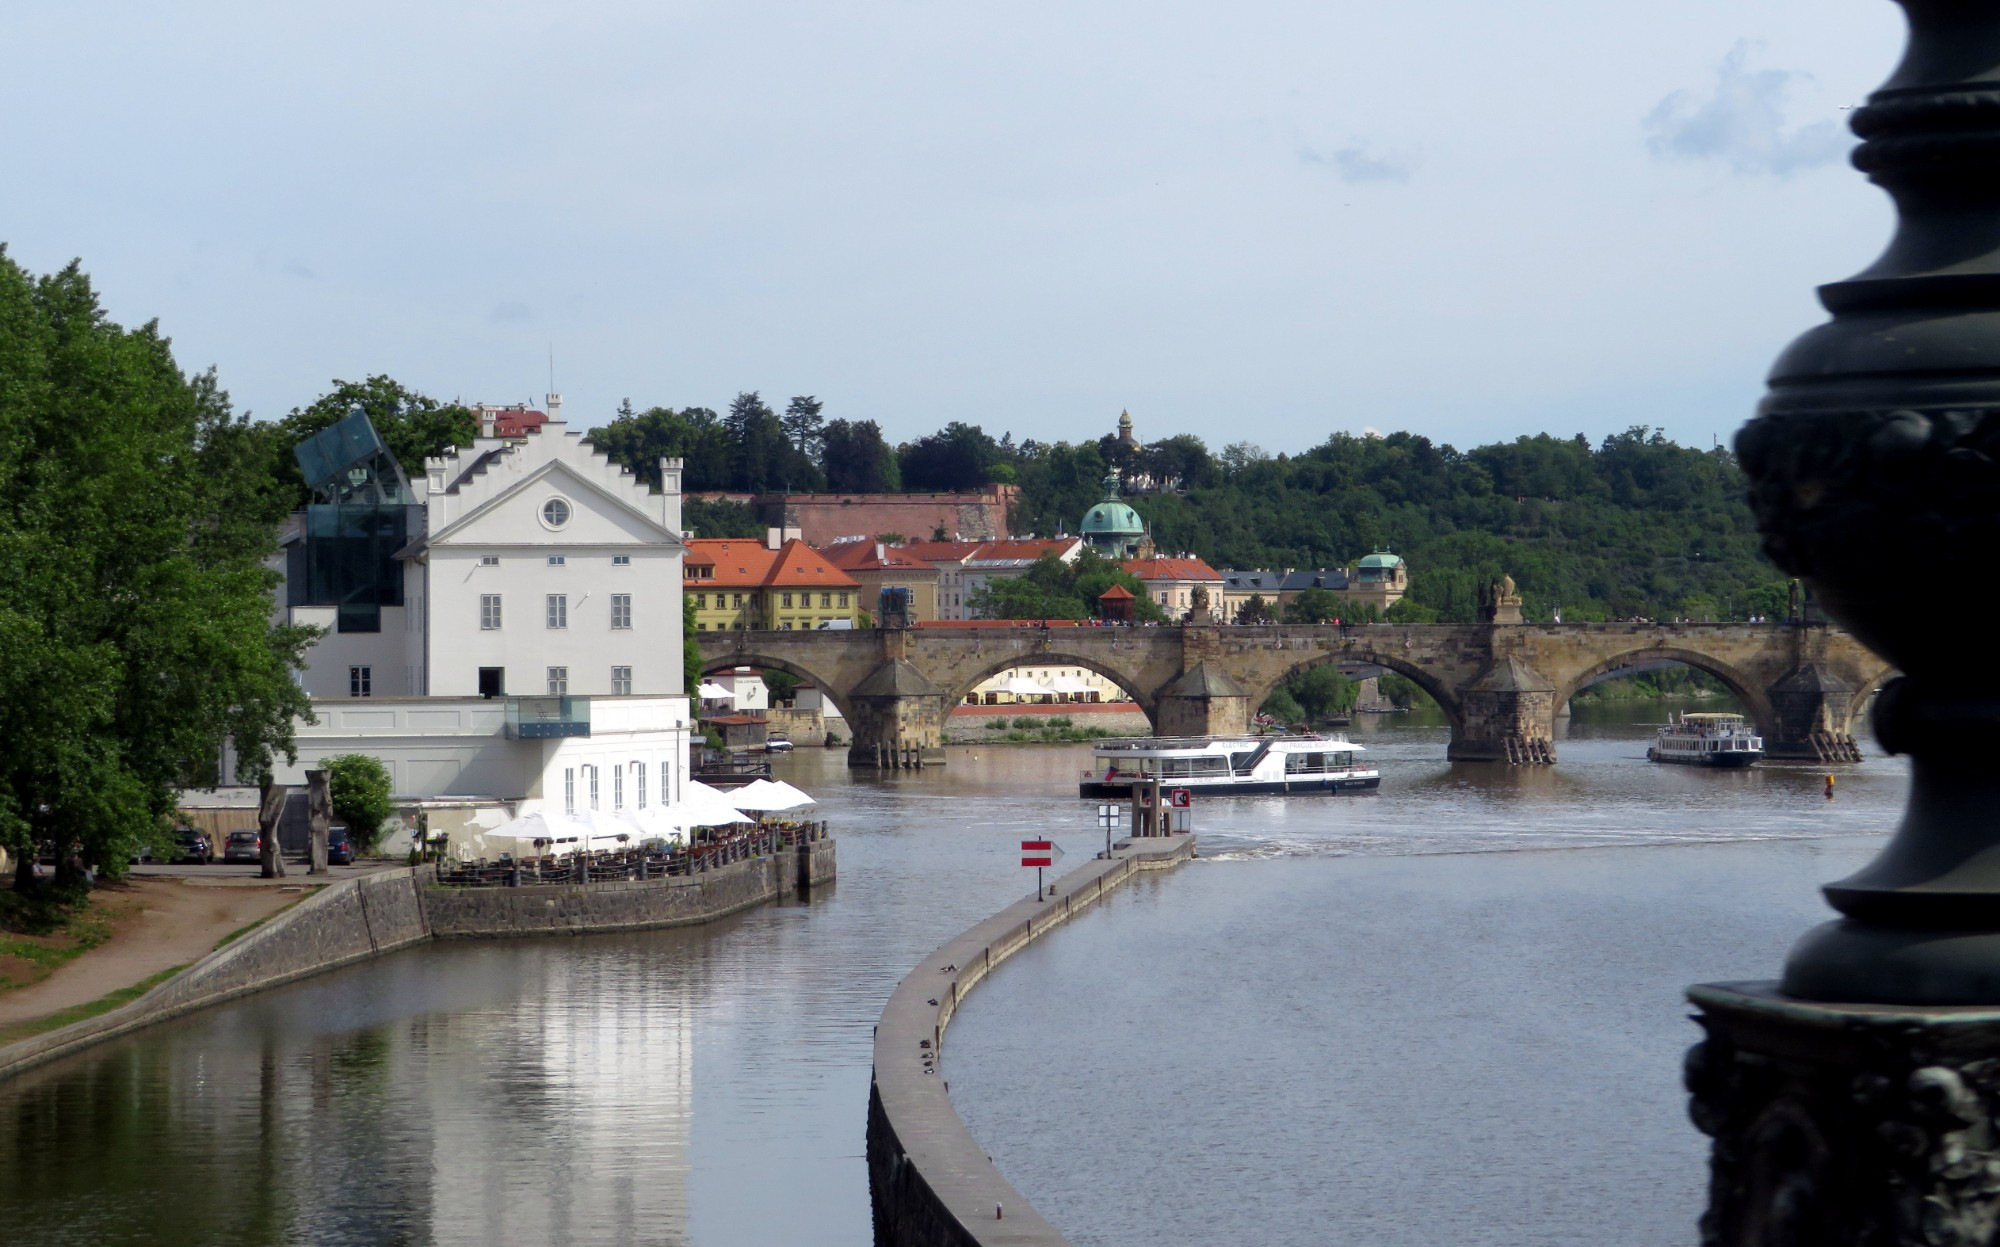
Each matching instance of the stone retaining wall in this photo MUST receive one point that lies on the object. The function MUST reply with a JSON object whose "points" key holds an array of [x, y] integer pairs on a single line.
{"points": [[930, 1183], [365, 917]]}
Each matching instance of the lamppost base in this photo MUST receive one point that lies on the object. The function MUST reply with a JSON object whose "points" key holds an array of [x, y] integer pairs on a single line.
{"points": [[1845, 960], [1845, 1125]]}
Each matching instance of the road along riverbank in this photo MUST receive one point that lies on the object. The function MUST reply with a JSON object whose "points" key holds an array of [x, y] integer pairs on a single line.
{"points": [[357, 919], [929, 1181]]}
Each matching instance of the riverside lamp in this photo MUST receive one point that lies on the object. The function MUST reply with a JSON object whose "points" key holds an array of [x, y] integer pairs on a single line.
{"points": [[1854, 1101]]}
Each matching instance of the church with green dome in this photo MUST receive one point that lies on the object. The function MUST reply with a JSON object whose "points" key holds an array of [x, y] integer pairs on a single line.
{"points": [[1114, 529]]}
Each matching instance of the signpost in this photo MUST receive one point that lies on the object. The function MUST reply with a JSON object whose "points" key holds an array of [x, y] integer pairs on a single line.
{"points": [[1108, 817], [1039, 854]]}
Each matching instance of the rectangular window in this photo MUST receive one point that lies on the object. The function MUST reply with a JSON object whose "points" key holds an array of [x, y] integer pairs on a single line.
{"points": [[621, 560], [489, 560], [666, 798], [788, 600], [639, 784], [617, 786], [557, 560], [489, 612], [843, 599], [621, 610], [786, 626], [569, 790], [739, 601], [826, 601], [701, 601], [558, 681], [590, 784], [558, 610], [621, 680], [361, 681], [701, 627]]}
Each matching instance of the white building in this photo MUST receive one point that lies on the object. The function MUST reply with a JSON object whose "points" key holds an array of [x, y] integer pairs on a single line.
{"points": [[509, 627]]}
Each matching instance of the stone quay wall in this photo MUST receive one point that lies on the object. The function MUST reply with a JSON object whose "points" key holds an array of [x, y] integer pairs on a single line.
{"points": [[929, 1181], [365, 917]]}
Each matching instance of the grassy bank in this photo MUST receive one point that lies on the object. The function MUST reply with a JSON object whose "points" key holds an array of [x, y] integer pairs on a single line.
{"points": [[77, 1013], [41, 931]]}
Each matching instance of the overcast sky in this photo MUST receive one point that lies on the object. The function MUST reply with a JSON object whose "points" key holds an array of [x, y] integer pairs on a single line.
{"points": [[1262, 221]]}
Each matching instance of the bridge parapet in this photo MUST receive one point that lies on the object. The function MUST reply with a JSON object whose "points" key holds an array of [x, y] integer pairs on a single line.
{"points": [[1501, 686]]}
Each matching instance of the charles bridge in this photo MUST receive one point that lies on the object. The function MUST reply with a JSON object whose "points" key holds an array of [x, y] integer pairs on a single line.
{"points": [[1500, 685]]}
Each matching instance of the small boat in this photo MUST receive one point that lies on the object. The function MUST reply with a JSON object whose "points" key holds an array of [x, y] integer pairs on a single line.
{"points": [[1228, 765], [777, 742], [1708, 738]]}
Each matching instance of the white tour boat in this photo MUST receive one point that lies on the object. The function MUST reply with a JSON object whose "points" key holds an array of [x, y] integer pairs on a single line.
{"points": [[1705, 738], [1223, 765]]}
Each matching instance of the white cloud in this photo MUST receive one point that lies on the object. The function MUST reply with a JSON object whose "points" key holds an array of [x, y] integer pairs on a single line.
{"points": [[1355, 163], [1742, 124]]}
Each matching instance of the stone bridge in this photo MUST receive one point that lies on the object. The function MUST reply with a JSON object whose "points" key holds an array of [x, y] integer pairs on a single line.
{"points": [[1500, 685]]}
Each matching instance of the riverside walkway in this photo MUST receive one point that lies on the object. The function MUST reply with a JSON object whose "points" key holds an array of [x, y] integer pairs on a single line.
{"points": [[930, 1182]]}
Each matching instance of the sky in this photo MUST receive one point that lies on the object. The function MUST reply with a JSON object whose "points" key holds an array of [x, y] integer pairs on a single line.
{"points": [[1267, 221]]}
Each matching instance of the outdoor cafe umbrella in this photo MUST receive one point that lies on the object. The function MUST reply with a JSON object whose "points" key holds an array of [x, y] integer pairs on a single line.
{"points": [[542, 833], [769, 795], [709, 690]]}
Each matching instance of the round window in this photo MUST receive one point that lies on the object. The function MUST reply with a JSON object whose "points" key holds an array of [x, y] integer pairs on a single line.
{"points": [[555, 513]]}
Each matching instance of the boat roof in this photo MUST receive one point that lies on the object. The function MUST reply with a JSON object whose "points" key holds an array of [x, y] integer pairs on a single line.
{"points": [[1710, 714], [1165, 744]]}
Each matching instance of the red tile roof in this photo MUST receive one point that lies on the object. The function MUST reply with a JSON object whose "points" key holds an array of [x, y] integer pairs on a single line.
{"points": [[856, 556], [1164, 568], [1116, 592], [741, 563]]}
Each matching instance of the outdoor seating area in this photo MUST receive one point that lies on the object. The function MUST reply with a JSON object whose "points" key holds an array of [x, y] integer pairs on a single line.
{"points": [[650, 860]]}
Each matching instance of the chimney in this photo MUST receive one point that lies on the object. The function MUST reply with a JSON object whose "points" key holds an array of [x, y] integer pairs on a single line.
{"points": [[670, 493], [555, 409]]}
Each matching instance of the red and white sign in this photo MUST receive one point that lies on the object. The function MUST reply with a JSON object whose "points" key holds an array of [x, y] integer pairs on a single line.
{"points": [[1180, 798], [1038, 852]]}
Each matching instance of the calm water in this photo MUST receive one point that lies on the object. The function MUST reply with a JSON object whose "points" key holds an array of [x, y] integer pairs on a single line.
{"points": [[1411, 1017]]}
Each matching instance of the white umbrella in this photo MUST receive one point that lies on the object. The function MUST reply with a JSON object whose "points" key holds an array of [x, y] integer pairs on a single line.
{"points": [[604, 832], [535, 835], [1022, 686], [766, 794], [709, 690]]}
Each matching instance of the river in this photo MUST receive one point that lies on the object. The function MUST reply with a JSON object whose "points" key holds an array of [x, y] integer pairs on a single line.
{"points": [[1448, 1011]]}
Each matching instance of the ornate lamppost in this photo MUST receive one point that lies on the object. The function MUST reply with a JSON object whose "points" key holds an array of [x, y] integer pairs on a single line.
{"points": [[1857, 1100]]}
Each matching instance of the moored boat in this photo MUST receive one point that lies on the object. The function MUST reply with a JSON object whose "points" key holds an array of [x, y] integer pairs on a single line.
{"points": [[1708, 738], [1227, 765]]}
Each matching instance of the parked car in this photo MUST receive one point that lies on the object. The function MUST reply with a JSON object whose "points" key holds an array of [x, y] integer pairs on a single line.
{"points": [[191, 845], [339, 847], [243, 846]]}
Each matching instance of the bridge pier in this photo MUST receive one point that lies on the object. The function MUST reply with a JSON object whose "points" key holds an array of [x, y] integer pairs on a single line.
{"points": [[1810, 718], [1204, 701], [897, 717], [1506, 715]]}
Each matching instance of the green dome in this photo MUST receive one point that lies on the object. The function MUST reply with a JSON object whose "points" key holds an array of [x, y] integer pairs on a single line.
{"points": [[1112, 519], [1382, 558]]}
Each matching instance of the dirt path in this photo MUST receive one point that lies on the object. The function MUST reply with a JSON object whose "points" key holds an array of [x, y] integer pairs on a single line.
{"points": [[170, 923]]}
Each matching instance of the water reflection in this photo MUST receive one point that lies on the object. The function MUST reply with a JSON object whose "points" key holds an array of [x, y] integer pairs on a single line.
{"points": [[708, 1085]]}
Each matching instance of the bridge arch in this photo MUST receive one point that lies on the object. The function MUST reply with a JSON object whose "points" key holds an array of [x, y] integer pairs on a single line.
{"points": [[828, 689], [1865, 690], [1142, 698], [1754, 699], [1359, 653]]}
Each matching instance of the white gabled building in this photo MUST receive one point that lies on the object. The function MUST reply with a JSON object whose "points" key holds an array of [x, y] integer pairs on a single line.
{"points": [[507, 627]]}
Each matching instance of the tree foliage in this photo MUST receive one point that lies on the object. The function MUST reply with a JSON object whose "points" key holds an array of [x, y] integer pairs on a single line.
{"points": [[136, 512], [1053, 589], [413, 426], [358, 787]]}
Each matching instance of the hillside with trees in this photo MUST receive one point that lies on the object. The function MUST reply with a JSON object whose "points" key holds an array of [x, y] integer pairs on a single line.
{"points": [[1635, 525]]}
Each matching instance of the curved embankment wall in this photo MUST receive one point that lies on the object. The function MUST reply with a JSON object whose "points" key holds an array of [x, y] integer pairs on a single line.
{"points": [[929, 1180], [365, 917]]}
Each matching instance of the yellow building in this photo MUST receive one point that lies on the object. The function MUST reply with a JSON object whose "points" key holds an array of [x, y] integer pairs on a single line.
{"points": [[741, 584]]}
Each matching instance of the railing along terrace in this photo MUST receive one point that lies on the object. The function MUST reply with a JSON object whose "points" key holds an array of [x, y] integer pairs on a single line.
{"points": [[635, 864]]}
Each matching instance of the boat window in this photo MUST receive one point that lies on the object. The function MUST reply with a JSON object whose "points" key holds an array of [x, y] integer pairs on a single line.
{"points": [[1296, 762], [1238, 761]]}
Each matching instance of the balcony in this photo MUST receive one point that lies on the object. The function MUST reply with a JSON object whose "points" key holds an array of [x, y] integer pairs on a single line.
{"points": [[546, 718]]}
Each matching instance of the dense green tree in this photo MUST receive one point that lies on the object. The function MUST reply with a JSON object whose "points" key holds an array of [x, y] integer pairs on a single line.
{"points": [[1053, 589], [690, 648], [1255, 610], [358, 787], [694, 435], [803, 424], [856, 460], [957, 458], [136, 512], [413, 426], [721, 517]]}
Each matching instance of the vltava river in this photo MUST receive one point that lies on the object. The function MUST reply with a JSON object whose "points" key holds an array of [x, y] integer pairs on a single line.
{"points": [[1447, 1012]]}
